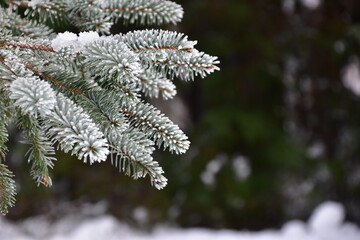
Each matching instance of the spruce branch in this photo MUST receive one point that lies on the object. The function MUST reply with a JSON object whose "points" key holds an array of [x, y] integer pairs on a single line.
{"points": [[157, 40], [3, 134], [88, 16], [129, 156], [144, 11], [130, 149], [32, 95], [186, 67], [140, 139], [44, 11], [7, 74], [41, 5], [41, 153], [154, 84], [20, 26], [112, 61], [156, 126], [171, 53], [51, 79], [99, 107], [85, 92], [76, 132], [7, 189]]}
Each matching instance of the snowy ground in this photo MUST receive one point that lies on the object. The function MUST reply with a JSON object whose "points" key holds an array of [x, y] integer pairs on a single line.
{"points": [[326, 223]]}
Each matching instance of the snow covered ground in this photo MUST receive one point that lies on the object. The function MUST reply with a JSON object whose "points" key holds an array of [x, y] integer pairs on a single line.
{"points": [[326, 223]]}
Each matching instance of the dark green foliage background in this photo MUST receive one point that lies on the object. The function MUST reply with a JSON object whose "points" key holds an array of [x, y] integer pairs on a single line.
{"points": [[241, 110]]}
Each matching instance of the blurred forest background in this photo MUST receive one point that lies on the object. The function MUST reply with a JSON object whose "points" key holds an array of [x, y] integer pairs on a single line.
{"points": [[273, 134]]}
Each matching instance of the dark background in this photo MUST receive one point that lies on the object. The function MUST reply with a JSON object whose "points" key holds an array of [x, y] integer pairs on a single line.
{"points": [[278, 108]]}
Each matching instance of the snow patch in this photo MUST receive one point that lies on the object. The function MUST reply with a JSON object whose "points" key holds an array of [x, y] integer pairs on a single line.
{"points": [[294, 229], [87, 37], [325, 223], [69, 39], [329, 215]]}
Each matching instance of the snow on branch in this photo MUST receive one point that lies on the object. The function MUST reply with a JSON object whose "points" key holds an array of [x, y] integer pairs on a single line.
{"points": [[86, 93]]}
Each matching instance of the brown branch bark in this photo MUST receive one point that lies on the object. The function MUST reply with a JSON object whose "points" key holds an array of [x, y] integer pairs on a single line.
{"points": [[189, 50], [50, 78], [28, 46], [185, 64]]}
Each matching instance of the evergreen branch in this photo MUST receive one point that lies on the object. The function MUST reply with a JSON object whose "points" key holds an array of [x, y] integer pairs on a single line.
{"points": [[7, 189], [49, 6], [74, 130], [144, 11], [134, 161], [186, 67], [100, 108], [87, 15], [153, 84], [131, 150], [3, 134], [41, 152], [32, 95], [157, 40], [84, 91], [7, 68], [140, 139], [170, 52], [21, 26], [156, 126], [73, 80], [52, 79], [5, 108], [112, 61]]}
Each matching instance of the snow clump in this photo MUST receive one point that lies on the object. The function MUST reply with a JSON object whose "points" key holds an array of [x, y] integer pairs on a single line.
{"points": [[69, 39]]}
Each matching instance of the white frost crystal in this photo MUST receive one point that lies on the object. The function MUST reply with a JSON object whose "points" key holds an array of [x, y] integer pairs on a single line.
{"points": [[33, 95]]}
